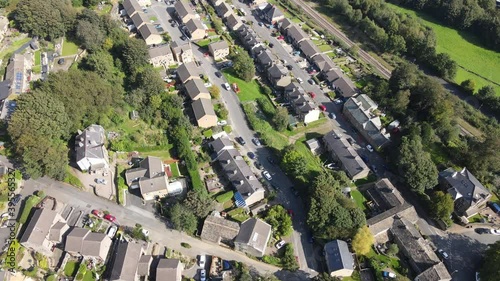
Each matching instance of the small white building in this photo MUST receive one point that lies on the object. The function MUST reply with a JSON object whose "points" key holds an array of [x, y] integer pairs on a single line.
{"points": [[90, 148]]}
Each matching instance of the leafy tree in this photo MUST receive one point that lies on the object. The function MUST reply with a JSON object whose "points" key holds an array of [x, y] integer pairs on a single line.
{"points": [[393, 249], [214, 92], [442, 206], [325, 277], [288, 260], [416, 165], [90, 3], [43, 157], [45, 18], [280, 221], [280, 119], [89, 36], [135, 55], [222, 112], [217, 23], [490, 270], [243, 64], [469, 86], [183, 218], [102, 63], [363, 241], [200, 204], [293, 163], [166, 37], [403, 77], [445, 66]]}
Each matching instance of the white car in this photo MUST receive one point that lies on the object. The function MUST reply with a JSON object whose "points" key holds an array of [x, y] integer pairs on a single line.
{"points": [[370, 148], [112, 231], [227, 87], [222, 123], [203, 275], [495, 231], [267, 175], [443, 254], [280, 244], [337, 101], [300, 80], [202, 260]]}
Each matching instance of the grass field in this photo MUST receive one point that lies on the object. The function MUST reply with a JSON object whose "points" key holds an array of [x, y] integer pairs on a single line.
{"points": [[463, 49], [14, 46], [69, 48], [37, 58], [249, 91], [359, 199]]}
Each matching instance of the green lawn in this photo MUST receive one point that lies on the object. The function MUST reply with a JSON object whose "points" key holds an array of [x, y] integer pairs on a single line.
{"points": [[153, 18], [14, 46], [29, 204], [71, 268], [37, 69], [88, 276], [38, 58], [174, 168], [163, 154], [325, 48], [69, 48], [465, 50], [359, 199], [370, 178], [238, 214], [249, 91], [312, 162]]}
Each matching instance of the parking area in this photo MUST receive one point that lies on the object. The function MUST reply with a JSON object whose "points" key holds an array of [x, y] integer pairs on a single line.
{"points": [[100, 182]]}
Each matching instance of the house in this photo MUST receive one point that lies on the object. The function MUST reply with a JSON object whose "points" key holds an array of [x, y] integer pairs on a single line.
{"points": [[253, 237], [82, 242], [278, 76], [285, 24], [295, 35], [184, 11], [360, 112], [169, 270], [144, 265], [332, 75], [338, 259], [17, 75], [150, 34], [139, 19], [204, 113], [249, 189], [386, 205], [90, 148], [4, 25], [131, 7], [188, 71], [125, 261], [247, 37], [217, 229], [257, 50], [196, 29], [161, 56], [219, 50], [224, 10], [303, 106], [216, 3], [309, 49], [196, 89], [437, 272], [257, 2], [149, 177], [314, 146], [265, 59], [233, 22], [345, 87], [417, 250], [36, 236], [182, 51], [271, 14], [344, 154], [467, 192], [323, 62]]}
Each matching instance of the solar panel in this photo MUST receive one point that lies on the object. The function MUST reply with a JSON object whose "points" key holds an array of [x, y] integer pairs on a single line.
{"points": [[240, 202]]}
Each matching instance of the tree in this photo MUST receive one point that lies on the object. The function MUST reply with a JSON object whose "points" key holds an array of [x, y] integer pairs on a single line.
{"points": [[49, 19], [469, 86], [416, 165], [102, 63], [280, 221], [200, 204], [486, 93], [243, 64], [393, 249], [288, 260], [214, 92], [490, 270], [280, 119], [90, 36], [183, 219], [325, 277], [90, 3], [403, 77], [442, 206], [363, 241], [445, 66], [293, 163], [135, 55]]}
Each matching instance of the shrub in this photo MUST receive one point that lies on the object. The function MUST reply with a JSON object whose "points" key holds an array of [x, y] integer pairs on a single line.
{"points": [[208, 133], [227, 129], [186, 245], [267, 107], [223, 198]]}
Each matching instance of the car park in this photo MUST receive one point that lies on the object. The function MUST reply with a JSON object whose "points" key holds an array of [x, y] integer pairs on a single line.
{"points": [[256, 141], [280, 244], [267, 175], [370, 148], [110, 218], [202, 260], [240, 140], [443, 254], [112, 231], [251, 155]]}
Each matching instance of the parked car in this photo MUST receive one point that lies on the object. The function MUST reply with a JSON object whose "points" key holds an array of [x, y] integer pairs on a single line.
{"points": [[280, 244], [110, 218], [112, 231], [226, 86], [203, 275], [289, 67], [218, 74], [290, 212], [443, 254], [370, 148], [311, 82], [202, 260], [374, 168], [312, 95], [267, 175], [332, 115], [251, 155], [101, 181], [388, 274], [331, 166], [240, 140], [261, 23], [337, 101], [256, 141], [495, 231], [97, 213], [322, 107], [16, 199], [300, 80], [271, 45], [257, 165], [222, 123]]}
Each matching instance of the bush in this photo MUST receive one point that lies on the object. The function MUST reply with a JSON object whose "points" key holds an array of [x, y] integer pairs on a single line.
{"points": [[227, 129], [186, 245], [267, 107], [223, 198], [208, 133], [272, 260]]}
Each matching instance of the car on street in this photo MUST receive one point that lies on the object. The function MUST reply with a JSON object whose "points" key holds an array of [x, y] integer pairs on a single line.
{"points": [[495, 231], [337, 101], [267, 175], [281, 37], [256, 141], [97, 213], [218, 74], [240, 140], [443, 254], [350, 141], [332, 115], [370, 148], [388, 274], [271, 45], [203, 275], [322, 107], [16, 199], [312, 95], [112, 231], [257, 165], [374, 168], [300, 80], [109, 217], [280, 244], [289, 67], [183, 38], [261, 23], [311, 82], [226, 86], [251, 155], [482, 230], [202, 260]]}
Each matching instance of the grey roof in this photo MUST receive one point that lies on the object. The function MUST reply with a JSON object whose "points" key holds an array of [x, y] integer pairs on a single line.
{"points": [[57, 231], [333, 75], [147, 30], [345, 153], [194, 24], [346, 86], [39, 226], [183, 9], [90, 143], [285, 24], [221, 144], [271, 12], [233, 21], [5, 89], [265, 58], [93, 243], [15, 73], [277, 71], [219, 45], [125, 262], [384, 195], [131, 6], [74, 239], [159, 51], [202, 107], [255, 233], [195, 87], [437, 272], [167, 269], [323, 62], [465, 189], [139, 19], [223, 8], [144, 265], [150, 175], [296, 33], [187, 71], [337, 256], [238, 172], [179, 46], [309, 49], [217, 229], [257, 50]]}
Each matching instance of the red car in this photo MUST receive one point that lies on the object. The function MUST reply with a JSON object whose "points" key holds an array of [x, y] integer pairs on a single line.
{"points": [[281, 37], [322, 107], [97, 213], [313, 95], [110, 218]]}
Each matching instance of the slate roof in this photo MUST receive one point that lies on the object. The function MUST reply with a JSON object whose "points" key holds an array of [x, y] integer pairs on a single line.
{"points": [[233, 21], [351, 161], [217, 229], [346, 86], [333, 75], [285, 24], [139, 19], [219, 45], [91, 143], [144, 264], [195, 87], [93, 244], [277, 71], [187, 70], [337, 256], [220, 144], [74, 239], [183, 9], [265, 58], [159, 51], [39, 226], [309, 49], [150, 175], [255, 233], [147, 30], [223, 8], [202, 107], [323, 62], [271, 12], [57, 231], [167, 269], [296, 34], [193, 25], [125, 262], [437, 272], [131, 7]]}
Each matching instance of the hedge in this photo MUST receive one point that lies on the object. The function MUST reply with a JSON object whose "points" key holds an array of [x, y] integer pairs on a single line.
{"points": [[223, 198]]}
